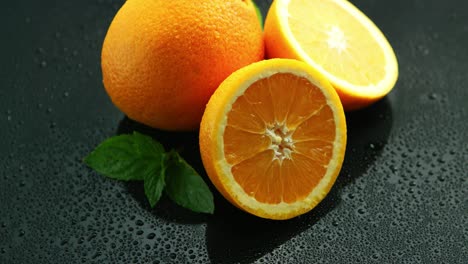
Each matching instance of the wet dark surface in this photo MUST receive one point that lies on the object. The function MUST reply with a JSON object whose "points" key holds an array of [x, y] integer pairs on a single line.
{"points": [[400, 198]]}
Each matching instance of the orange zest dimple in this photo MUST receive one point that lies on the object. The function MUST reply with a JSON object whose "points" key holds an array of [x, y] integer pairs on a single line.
{"points": [[273, 137]]}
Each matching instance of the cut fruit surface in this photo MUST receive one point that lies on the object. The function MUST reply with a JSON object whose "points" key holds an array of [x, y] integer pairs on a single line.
{"points": [[273, 137], [339, 41]]}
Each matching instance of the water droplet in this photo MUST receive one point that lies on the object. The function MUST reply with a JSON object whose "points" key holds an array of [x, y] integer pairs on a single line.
{"points": [[453, 16], [150, 235], [393, 168], [95, 256], [40, 51], [433, 96], [139, 222], [361, 211], [425, 51], [376, 256]]}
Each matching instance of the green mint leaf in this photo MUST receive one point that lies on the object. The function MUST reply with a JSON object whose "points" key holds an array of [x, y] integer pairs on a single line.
{"points": [[147, 145], [139, 157], [185, 187], [126, 157], [154, 183], [259, 13]]}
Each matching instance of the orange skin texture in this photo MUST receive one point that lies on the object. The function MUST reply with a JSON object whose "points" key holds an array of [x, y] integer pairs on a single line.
{"points": [[162, 60]]}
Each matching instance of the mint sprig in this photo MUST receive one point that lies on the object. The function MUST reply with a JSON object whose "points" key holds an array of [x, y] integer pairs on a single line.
{"points": [[137, 157], [185, 187], [154, 184]]}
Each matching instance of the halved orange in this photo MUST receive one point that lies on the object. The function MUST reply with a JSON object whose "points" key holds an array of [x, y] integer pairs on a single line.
{"points": [[339, 41], [273, 138]]}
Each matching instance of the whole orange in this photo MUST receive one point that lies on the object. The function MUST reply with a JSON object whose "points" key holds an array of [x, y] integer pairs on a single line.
{"points": [[162, 60]]}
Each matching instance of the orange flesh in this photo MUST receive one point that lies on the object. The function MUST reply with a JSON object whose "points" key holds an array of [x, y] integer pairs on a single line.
{"points": [[312, 28], [279, 138]]}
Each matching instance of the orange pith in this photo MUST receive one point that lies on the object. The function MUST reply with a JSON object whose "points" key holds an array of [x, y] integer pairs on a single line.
{"points": [[275, 155], [273, 137]]}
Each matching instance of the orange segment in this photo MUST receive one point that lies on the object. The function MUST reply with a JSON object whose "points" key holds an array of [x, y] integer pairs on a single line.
{"points": [[233, 138], [251, 174], [317, 150], [244, 117], [283, 99], [321, 125], [259, 98], [339, 41], [308, 100], [273, 137], [301, 177], [259, 177]]}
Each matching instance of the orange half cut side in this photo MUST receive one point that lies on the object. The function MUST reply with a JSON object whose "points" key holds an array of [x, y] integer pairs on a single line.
{"points": [[339, 41], [273, 138]]}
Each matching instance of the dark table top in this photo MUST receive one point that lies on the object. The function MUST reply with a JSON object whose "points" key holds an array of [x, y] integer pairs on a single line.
{"points": [[401, 196]]}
